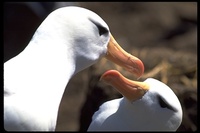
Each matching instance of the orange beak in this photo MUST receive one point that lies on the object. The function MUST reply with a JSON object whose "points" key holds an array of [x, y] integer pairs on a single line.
{"points": [[119, 56], [132, 90]]}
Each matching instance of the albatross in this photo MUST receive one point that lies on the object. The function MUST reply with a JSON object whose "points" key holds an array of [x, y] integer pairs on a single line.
{"points": [[145, 106], [69, 40]]}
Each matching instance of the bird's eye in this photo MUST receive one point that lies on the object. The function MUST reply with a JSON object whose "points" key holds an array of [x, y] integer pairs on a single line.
{"points": [[102, 30], [163, 104]]}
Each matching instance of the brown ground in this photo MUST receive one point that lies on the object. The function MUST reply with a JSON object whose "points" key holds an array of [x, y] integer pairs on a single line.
{"points": [[163, 35]]}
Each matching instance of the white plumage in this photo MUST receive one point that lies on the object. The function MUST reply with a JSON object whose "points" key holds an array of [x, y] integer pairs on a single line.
{"points": [[157, 109], [69, 40]]}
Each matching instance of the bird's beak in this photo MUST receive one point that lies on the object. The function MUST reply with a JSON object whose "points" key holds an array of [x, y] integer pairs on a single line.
{"points": [[119, 56], [132, 90]]}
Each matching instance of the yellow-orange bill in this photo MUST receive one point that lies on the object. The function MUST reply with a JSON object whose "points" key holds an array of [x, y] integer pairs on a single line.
{"points": [[119, 56], [130, 89]]}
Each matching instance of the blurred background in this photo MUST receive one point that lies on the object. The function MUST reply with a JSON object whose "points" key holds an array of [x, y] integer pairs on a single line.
{"points": [[162, 34]]}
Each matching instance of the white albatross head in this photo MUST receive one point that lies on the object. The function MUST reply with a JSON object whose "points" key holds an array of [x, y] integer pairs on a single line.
{"points": [[86, 37], [147, 106]]}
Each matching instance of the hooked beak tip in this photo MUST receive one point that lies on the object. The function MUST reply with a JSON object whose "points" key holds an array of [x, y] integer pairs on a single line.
{"points": [[119, 56], [132, 90]]}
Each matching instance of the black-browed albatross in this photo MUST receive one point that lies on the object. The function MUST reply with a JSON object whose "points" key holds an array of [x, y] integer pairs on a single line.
{"points": [[69, 40]]}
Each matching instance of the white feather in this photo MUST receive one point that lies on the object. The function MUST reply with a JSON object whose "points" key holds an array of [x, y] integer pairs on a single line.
{"points": [[65, 43]]}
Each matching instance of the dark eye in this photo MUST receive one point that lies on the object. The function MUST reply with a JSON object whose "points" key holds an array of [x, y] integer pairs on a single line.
{"points": [[163, 104], [102, 30]]}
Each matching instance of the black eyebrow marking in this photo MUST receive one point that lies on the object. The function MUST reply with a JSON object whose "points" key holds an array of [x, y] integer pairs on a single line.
{"points": [[102, 29], [164, 104]]}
